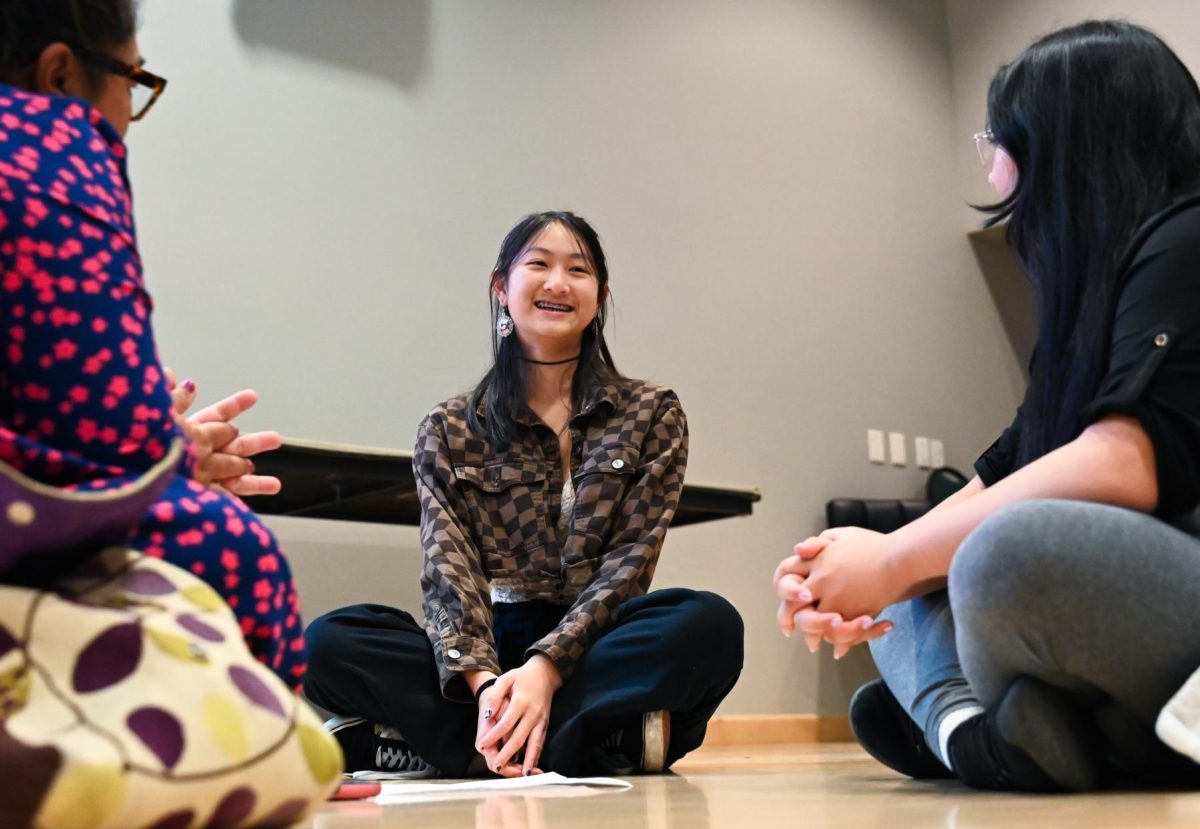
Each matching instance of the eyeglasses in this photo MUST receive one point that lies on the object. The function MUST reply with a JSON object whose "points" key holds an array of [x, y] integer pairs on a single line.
{"points": [[985, 145], [146, 89]]}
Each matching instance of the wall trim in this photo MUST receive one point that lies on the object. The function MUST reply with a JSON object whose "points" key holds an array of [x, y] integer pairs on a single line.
{"points": [[771, 729]]}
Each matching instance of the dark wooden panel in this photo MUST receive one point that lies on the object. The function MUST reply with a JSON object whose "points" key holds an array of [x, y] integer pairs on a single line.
{"points": [[350, 483]]}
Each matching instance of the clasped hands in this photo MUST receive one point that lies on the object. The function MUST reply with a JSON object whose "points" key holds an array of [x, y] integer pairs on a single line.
{"points": [[222, 454], [514, 714], [833, 588]]}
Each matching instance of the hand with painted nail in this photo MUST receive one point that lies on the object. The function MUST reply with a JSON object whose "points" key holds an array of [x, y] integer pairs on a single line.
{"points": [[222, 454], [827, 590], [843, 635], [789, 578], [491, 707], [521, 700], [853, 575]]}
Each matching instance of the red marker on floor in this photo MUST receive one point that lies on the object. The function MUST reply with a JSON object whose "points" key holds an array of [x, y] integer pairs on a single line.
{"points": [[356, 791]]}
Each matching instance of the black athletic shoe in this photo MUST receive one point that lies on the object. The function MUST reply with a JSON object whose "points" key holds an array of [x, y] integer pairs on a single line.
{"points": [[984, 760], [639, 749], [889, 734], [368, 746], [1035, 740], [1053, 728]]}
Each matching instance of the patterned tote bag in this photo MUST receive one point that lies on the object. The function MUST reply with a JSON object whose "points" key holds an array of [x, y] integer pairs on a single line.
{"points": [[128, 699]]}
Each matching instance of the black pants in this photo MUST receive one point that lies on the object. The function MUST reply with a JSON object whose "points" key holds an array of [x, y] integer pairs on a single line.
{"points": [[676, 650]]}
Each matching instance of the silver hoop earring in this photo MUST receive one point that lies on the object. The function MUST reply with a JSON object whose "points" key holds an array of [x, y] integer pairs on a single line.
{"points": [[504, 323]]}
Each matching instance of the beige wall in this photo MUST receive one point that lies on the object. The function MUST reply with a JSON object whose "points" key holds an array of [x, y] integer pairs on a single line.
{"points": [[322, 190]]}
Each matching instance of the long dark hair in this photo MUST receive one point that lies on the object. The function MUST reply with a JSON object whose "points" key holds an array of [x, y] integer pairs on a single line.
{"points": [[502, 389], [29, 26], [1103, 123]]}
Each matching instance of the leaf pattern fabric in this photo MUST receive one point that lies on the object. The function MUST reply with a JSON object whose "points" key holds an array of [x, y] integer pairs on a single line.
{"points": [[114, 715]]}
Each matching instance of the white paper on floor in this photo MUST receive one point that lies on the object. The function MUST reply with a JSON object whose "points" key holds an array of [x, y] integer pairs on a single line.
{"points": [[414, 792]]}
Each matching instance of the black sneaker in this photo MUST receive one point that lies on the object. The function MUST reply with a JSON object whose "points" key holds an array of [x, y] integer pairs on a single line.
{"points": [[635, 750], [368, 746], [983, 759], [1035, 740], [1054, 730], [889, 734]]}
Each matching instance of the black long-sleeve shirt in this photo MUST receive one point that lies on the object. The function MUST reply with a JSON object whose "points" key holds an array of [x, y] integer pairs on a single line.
{"points": [[1153, 361]]}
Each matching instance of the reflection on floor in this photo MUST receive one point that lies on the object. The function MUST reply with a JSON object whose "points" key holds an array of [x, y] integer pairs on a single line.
{"points": [[810, 786]]}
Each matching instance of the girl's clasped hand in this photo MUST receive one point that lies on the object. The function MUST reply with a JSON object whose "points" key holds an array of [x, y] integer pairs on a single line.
{"points": [[833, 588], [514, 713]]}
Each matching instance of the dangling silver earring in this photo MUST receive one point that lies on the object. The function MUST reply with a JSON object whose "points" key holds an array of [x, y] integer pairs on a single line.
{"points": [[504, 323]]}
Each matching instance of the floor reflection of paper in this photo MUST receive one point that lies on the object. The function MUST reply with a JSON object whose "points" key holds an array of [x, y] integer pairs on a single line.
{"points": [[550, 784]]}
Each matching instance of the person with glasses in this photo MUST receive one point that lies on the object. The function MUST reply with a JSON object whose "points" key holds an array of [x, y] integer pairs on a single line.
{"points": [[996, 160], [1035, 631], [145, 87], [84, 398]]}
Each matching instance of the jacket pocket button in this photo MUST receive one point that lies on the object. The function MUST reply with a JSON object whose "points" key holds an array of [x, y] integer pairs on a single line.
{"points": [[618, 464]]}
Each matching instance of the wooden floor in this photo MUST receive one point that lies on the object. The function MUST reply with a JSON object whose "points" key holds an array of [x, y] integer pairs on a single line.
{"points": [[803, 786]]}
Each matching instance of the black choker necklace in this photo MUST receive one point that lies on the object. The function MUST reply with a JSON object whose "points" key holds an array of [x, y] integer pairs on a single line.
{"points": [[551, 362]]}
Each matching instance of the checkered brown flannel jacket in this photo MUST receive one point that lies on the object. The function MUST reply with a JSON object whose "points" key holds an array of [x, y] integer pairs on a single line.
{"points": [[489, 516]]}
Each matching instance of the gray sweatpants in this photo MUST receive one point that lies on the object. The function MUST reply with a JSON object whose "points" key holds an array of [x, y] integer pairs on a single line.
{"points": [[1102, 601]]}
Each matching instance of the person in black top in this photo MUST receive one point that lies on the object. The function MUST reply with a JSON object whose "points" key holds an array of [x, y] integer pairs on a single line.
{"points": [[1038, 624]]}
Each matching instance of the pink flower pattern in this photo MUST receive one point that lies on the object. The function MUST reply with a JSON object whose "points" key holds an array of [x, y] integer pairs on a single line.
{"points": [[83, 398]]}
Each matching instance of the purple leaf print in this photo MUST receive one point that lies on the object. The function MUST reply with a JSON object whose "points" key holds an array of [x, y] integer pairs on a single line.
{"points": [[255, 690], [176, 820], [285, 815], [147, 583], [234, 809], [109, 658], [161, 733], [7, 642], [198, 628]]}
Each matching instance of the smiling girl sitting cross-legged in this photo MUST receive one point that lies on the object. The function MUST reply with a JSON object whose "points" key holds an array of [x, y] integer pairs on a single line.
{"points": [[546, 494]]}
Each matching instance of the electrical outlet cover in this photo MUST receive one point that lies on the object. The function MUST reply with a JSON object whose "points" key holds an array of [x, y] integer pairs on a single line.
{"points": [[875, 453], [921, 451], [937, 453]]}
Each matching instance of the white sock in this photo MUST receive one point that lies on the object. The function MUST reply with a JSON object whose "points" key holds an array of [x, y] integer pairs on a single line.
{"points": [[950, 722]]}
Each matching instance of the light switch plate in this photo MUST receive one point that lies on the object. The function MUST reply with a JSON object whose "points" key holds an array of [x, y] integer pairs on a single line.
{"points": [[875, 452], [921, 452]]}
